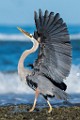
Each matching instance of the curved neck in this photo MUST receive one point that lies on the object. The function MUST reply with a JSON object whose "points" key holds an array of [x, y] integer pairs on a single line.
{"points": [[26, 53]]}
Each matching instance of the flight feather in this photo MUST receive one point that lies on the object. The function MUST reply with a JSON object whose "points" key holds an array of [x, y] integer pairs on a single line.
{"points": [[54, 59]]}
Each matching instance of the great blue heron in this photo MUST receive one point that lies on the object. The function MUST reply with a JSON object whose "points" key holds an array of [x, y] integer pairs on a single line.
{"points": [[54, 59]]}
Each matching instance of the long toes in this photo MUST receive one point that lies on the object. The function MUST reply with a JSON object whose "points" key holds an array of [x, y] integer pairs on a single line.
{"points": [[50, 110], [31, 110]]}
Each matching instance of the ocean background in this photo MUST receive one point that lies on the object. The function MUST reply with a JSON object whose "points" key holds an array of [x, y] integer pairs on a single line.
{"points": [[12, 44]]}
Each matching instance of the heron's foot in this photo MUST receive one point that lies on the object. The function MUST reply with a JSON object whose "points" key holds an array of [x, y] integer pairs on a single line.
{"points": [[32, 109], [50, 110], [50, 107], [36, 96]]}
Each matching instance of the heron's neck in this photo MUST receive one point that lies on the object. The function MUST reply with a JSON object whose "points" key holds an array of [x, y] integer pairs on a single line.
{"points": [[25, 54]]}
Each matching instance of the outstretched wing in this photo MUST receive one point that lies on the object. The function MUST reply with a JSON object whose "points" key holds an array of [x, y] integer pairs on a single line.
{"points": [[54, 59]]}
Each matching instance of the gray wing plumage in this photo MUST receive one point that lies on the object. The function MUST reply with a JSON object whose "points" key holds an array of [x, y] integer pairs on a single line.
{"points": [[54, 59]]}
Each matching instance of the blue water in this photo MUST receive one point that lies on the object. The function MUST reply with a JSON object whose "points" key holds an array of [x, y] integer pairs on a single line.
{"points": [[10, 52], [73, 29], [13, 29]]}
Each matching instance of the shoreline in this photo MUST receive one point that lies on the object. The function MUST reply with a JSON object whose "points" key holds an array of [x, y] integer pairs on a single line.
{"points": [[20, 112]]}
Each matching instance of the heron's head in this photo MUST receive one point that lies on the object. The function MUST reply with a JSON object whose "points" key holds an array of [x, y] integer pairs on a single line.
{"points": [[26, 33], [30, 36]]}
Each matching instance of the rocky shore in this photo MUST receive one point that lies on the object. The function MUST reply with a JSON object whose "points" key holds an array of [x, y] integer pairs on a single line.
{"points": [[20, 112]]}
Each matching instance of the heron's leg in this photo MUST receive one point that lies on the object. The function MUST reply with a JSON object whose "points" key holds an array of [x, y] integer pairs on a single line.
{"points": [[50, 109], [35, 100]]}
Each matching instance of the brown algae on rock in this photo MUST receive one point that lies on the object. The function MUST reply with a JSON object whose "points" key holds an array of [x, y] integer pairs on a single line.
{"points": [[20, 112]]}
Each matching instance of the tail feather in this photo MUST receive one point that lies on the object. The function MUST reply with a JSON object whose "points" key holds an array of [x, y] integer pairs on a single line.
{"points": [[60, 93]]}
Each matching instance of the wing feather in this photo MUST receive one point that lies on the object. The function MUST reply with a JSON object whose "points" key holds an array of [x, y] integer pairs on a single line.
{"points": [[54, 59], [50, 19], [46, 18], [41, 18]]}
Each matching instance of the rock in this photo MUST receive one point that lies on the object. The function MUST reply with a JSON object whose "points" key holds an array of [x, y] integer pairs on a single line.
{"points": [[20, 112]]}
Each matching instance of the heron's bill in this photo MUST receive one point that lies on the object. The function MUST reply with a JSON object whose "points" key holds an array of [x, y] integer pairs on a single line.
{"points": [[24, 32]]}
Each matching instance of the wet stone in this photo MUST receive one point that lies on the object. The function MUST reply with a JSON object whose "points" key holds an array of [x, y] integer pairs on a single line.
{"points": [[20, 112]]}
